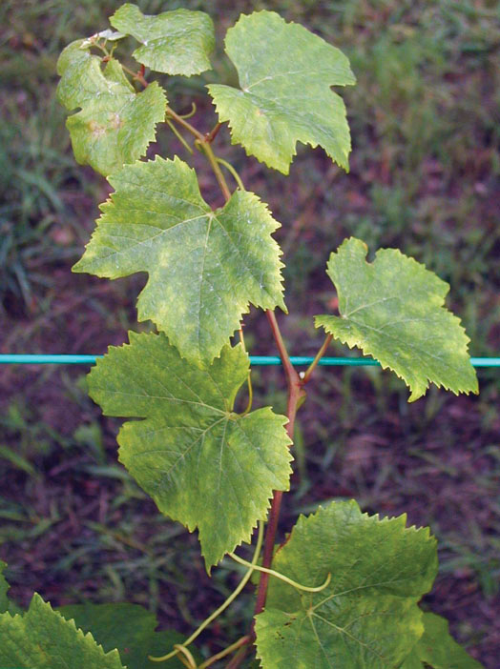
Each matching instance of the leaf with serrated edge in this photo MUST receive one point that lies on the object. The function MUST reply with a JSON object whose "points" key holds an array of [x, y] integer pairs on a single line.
{"points": [[42, 638], [6, 604], [130, 629], [438, 649], [176, 42], [367, 617], [202, 464], [204, 266], [393, 310], [115, 124], [4, 587], [285, 74]]}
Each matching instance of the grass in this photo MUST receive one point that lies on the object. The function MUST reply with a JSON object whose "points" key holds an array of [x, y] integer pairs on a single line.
{"points": [[424, 177]]}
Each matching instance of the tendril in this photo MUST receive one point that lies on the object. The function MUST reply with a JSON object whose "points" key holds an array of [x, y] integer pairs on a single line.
{"points": [[178, 135], [251, 567], [233, 172], [191, 113], [282, 577], [188, 660]]}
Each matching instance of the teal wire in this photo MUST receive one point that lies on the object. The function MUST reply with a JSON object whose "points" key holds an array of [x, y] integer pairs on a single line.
{"points": [[257, 360]]}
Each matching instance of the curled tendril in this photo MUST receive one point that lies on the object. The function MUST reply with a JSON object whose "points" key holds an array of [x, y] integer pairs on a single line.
{"points": [[222, 607], [282, 577], [188, 660], [191, 113]]}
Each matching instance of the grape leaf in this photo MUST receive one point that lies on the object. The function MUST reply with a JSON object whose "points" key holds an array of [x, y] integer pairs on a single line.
{"points": [[42, 638], [6, 604], [285, 74], [4, 587], [367, 617], [130, 629], [203, 464], [393, 310], [115, 124], [176, 42], [204, 266], [438, 649]]}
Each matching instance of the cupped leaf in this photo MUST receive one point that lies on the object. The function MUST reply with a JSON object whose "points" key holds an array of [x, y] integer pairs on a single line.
{"points": [[393, 310], [176, 42], [438, 649], [115, 124], [42, 638], [203, 465], [285, 74], [204, 266], [367, 617], [130, 629]]}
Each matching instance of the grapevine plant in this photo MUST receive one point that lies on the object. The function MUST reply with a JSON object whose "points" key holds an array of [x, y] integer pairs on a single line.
{"points": [[343, 591]]}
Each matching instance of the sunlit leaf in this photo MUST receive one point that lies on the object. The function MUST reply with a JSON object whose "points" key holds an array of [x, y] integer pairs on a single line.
{"points": [[204, 266], [285, 74], [115, 124], [393, 310], [367, 617], [203, 464], [176, 42]]}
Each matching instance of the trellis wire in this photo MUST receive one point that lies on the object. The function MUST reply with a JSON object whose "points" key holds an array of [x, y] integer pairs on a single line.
{"points": [[256, 360]]}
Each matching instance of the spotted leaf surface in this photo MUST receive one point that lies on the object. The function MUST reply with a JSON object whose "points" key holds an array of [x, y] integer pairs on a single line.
{"points": [[438, 649], [130, 629], [176, 42], [367, 617], [393, 310], [285, 74], [203, 465], [42, 638], [204, 266], [115, 124]]}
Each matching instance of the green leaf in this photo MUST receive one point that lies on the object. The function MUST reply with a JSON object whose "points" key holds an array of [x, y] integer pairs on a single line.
{"points": [[438, 649], [367, 617], [285, 74], [130, 629], [177, 42], [6, 604], [393, 310], [4, 587], [203, 464], [115, 124], [204, 266], [43, 639]]}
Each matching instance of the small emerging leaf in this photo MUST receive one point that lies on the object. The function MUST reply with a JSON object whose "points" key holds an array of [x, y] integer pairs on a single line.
{"points": [[204, 266], [176, 42], [367, 617], [130, 629], [115, 124], [285, 75], [203, 465], [438, 649], [393, 310], [43, 639]]}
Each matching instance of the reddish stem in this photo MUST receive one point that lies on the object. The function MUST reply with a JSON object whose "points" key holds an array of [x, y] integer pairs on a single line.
{"points": [[210, 136], [295, 394]]}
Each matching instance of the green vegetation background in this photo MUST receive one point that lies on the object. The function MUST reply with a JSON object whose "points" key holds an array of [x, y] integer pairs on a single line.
{"points": [[425, 177]]}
